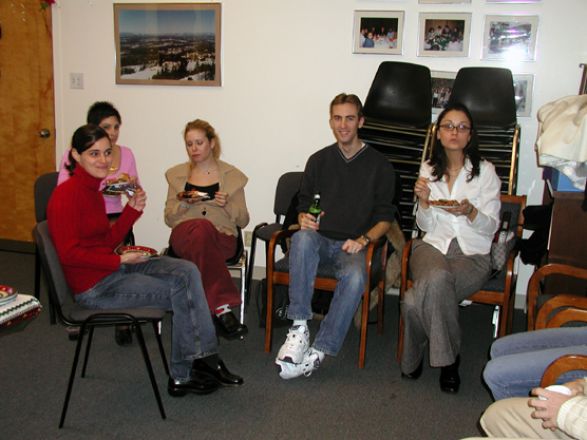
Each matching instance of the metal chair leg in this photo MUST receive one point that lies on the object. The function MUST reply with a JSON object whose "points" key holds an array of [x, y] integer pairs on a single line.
{"points": [[72, 375], [160, 344], [88, 346], [141, 339]]}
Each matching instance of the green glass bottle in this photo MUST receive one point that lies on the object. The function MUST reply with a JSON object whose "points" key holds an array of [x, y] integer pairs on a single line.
{"points": [[315, 208]]}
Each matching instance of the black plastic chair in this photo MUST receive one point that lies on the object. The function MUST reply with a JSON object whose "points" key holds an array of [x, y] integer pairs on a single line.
{"points": [[71, 314], [43, 188], [398, 111], [287, 187], [488, 93]]}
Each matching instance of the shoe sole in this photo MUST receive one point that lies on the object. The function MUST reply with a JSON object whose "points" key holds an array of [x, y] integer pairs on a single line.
{"points": [[182, 392]]}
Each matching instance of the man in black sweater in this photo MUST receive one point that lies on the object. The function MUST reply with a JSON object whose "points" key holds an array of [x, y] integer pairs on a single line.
{"points": [[356, 188]]}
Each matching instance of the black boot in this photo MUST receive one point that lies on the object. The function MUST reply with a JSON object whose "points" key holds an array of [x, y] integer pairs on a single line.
{"points": [[416, 373], [449, 377], [229, 327], [213, 368], [123, 335]]}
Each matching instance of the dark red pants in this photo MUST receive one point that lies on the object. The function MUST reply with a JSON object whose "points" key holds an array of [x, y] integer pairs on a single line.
{"points": [[199, 241]]}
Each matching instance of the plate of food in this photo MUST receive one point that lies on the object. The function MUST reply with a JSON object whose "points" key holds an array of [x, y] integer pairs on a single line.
{"points": [[143, 250], [121, 185], [7, 294], [444, 203], [196, 196]]}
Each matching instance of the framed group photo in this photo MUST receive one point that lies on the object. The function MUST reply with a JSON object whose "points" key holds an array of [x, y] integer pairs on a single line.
{"points": [[510, 37], [523, 85], [514, 1], [444, 34], [378, 32], [442, 83], [443, 1], [167, 43]]}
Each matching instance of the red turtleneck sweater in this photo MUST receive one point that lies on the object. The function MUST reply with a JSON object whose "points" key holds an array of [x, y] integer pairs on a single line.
{"points": [[81, 232]]}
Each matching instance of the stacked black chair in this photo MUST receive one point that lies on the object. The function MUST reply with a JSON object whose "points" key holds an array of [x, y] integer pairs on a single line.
{"points": [[398, 111], [488, 93]]}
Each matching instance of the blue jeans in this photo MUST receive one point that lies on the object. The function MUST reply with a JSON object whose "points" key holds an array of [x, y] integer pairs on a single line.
{"points": [[308, 250], [518, 360], [167, 283]]}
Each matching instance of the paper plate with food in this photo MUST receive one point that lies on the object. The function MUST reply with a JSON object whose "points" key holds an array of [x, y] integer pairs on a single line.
{"points": [[195, 196], [444, 203], [121, 185], [143, 250], [7, 294]]}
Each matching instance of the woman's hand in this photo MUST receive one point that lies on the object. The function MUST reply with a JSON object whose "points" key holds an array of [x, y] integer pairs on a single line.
{"points": [[221, 198], [138, 200], [133, 258], [465, 208], [422, 191]]}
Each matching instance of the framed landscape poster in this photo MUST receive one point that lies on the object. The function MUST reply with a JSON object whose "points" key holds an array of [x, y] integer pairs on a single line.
{"points": [[167, 43], [510, 37], [442, 83], [378, 32], [444, 34], [523, 84]]}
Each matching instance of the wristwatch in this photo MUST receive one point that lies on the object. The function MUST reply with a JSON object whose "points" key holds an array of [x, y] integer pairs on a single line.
{"points": [[366, 239]]}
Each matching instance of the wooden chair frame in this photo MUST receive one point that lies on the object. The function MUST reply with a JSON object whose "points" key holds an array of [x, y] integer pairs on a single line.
{"points": [[329, 284]]}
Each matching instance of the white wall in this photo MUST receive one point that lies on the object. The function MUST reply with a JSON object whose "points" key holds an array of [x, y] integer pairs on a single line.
{"points": [[282, 62]]}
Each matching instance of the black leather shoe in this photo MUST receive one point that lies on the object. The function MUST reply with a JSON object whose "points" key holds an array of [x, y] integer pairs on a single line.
{"points": [[229, 327], [123, 335], [220, 374], [416, 373], [449, 377], [197, 385]]}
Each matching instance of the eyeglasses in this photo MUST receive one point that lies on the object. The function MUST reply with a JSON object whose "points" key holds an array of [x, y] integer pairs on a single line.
{"points": [[461, 128]]}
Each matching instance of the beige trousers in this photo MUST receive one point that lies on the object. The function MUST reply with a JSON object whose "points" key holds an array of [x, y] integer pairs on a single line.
{"points": [[510, 419]]}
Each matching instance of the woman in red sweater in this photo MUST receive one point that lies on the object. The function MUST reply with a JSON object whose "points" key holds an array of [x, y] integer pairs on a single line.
{"points": [[101, 279]]}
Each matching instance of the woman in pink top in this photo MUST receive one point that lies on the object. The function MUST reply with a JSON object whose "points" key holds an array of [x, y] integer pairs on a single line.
{"points": [[105, 115]]}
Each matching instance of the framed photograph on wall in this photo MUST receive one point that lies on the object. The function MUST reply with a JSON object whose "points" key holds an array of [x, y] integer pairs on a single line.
{"points": [[443, 1], [523, 85], [510, 37], [378, 32], [444, 34], [442, 83], [514, 1], [167, 43]]}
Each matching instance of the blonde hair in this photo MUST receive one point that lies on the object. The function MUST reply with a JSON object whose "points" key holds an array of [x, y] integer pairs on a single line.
{"points": [[209, 132]]}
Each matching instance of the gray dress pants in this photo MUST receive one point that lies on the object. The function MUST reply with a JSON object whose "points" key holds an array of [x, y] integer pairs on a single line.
{"points": [[430, 308]]}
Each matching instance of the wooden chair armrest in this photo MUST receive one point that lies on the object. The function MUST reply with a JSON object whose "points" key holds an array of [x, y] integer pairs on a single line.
{"points": [[573, 308], [539, 276], [563, 364], [406, 252]]}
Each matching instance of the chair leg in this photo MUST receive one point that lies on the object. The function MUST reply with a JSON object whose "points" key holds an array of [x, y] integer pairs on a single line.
{"points": [[141, 339], [160, 344], [72, 375], [251, 265], [243, 271], [400, 338], [88, 345], [364, 322], [37, 274], [269, 316]]}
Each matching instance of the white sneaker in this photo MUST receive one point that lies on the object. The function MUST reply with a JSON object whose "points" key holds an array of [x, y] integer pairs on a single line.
{"points": [[295, 346], [311, 362]]}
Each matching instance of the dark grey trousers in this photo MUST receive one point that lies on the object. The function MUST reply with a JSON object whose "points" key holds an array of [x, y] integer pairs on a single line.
{"points": [[430, 308]]}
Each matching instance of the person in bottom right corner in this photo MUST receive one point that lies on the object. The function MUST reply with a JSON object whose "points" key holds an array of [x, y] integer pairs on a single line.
{"points": [[547, 415]]}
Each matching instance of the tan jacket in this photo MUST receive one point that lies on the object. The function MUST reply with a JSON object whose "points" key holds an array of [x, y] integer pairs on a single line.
{"points": [[227, 218]]}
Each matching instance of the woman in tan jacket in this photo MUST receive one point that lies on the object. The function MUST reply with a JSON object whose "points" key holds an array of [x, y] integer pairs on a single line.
{"points": [[205, 204]]}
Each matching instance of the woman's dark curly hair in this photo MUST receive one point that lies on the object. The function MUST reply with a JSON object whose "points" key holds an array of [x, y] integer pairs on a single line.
{"points": [[439, 161], [82, 139]]}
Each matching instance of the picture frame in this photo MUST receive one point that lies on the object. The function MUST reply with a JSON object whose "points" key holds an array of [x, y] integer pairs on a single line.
{"points": [[443, 1], [510, 37], [442, 83], [523, 89], [168, 43], [513, 1], [378, 32], [444, 34]]}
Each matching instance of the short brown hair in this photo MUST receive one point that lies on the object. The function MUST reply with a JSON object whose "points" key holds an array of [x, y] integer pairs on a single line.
{"points": [[343, 98], [200, 124]]}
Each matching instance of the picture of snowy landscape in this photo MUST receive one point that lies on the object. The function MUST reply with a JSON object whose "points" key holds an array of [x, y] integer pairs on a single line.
{"points": [[168, 44]]}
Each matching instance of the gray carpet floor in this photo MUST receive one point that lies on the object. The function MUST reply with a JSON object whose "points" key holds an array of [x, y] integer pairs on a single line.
{"points": [[339, 401]]}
